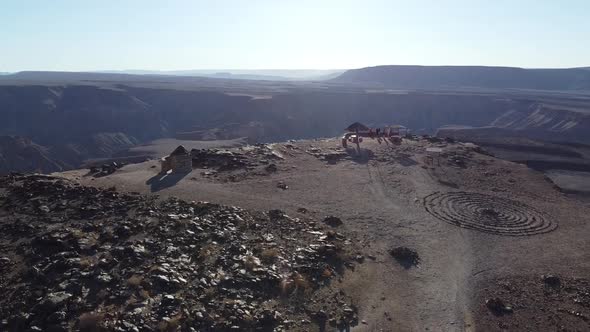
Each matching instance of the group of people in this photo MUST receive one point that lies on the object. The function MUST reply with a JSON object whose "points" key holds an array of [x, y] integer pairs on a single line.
{"points": [[387, 134], [378, 132]]}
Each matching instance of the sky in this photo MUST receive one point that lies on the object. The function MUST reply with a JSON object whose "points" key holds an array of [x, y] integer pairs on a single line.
{"points": [[84, 35]]}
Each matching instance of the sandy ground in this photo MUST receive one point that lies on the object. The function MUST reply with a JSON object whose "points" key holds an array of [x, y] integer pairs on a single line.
{"points": [[381, 201]]}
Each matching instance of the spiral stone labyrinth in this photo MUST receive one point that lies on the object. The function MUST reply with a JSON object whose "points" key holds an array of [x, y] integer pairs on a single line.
{"points": [[487, 213]]}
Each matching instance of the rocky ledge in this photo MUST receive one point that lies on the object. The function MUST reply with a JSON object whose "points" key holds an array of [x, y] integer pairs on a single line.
{"points": [[82, 258]]}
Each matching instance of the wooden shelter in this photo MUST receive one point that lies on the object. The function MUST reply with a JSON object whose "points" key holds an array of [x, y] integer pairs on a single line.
{"points": [[357, 127]]}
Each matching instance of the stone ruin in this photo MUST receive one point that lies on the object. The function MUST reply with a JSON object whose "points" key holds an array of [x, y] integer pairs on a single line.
{"points": [[179, 161]]}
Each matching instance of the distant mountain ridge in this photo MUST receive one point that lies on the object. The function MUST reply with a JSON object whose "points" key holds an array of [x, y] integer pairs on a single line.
{"points": [[437, 77], [240, 74]]}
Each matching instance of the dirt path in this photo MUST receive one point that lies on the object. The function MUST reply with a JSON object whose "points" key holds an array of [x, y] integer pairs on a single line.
{"points": [[432, 296]]}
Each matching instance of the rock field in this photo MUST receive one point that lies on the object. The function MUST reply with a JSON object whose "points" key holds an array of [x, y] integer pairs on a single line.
{"points": [[82, 258]]}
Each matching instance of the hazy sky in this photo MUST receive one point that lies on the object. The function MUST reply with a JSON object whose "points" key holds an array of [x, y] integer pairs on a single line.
{"points": [[291, 34]]}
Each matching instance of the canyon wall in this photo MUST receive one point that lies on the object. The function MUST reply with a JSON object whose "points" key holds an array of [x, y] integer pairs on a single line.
{"points": [[69, 124]]}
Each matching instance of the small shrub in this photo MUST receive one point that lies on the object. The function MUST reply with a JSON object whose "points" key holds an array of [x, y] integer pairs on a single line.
{"points": [[209, 293], [76, 233], [134, 281], [144, 294], [170, 325], [208, 251], [297, 283], [251, 262], [90, 322], [406, 257], [86, 262], [269, 255], [302, 285], [286, 286]]}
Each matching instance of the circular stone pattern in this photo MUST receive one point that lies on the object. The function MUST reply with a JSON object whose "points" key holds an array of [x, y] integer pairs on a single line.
{"points": [[487, 213]]}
